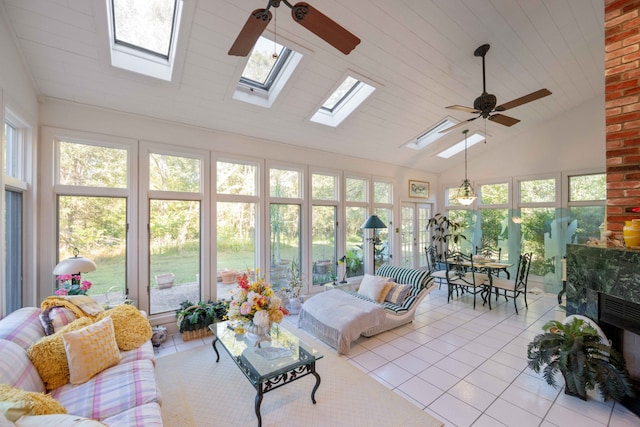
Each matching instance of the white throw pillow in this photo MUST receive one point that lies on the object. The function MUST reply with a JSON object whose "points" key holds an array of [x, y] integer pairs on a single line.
{"points": [[371, 286]]}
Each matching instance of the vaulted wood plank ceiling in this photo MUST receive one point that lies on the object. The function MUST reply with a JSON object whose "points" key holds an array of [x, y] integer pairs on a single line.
{"points": [[418, 52]]}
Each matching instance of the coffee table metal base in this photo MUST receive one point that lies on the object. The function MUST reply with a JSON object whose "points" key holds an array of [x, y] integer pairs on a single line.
{"points": [[277, 381]]}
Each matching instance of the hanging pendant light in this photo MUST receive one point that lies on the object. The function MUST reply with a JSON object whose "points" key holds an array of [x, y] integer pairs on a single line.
{"points": [[466, 193]]}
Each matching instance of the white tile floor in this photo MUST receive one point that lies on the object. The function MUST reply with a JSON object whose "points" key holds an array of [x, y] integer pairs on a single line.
{"points": [[469, 367]]}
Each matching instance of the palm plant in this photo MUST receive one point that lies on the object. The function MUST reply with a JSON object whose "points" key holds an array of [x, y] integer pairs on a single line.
{"points": [[576, 350]]}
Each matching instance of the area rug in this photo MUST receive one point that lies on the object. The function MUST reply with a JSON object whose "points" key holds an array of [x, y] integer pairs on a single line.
{"points": [[197, 391]]}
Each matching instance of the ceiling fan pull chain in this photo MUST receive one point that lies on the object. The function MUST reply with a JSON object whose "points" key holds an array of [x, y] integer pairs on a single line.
{"points": [[275, 34]]}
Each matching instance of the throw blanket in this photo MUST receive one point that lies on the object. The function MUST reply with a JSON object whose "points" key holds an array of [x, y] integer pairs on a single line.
{"points": [[337, 318], [80, 305]]}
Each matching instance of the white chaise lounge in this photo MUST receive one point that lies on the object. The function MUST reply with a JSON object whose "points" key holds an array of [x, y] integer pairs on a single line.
{"points": [[338, 317]]}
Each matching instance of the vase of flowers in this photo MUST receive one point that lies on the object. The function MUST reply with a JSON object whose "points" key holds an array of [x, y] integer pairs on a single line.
{"points": [[255, 307], [72, 284]]}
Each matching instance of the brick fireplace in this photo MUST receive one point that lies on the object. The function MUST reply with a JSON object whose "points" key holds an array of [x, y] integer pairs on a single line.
{"points": [[603, 283], [622, 96]]}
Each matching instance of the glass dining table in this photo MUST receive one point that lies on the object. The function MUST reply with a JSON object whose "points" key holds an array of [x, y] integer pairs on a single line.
{"points": [[485, 265]]}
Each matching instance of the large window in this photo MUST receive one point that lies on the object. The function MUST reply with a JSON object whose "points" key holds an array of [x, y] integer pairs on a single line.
{"points": [[285, 219], [493, 204], [383, 207], [587, 200], [94, 225], [175, 188], [540, 228], [324, 231], [15, 186], [355, 214], [236, 216]]}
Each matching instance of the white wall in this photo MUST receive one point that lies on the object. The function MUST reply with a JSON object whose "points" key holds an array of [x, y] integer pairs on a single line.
{"points": [[573, 141]]}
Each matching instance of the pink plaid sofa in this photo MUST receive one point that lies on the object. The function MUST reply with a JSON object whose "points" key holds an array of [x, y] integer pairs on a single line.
{"points": [[124, 395]]}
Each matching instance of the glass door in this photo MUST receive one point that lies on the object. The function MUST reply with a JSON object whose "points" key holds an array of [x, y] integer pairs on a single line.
{"points": [[414, 234]]}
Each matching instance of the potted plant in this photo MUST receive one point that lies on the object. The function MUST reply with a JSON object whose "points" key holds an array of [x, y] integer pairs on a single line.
{"points": [[443, 231], [193, 319], [292, 291], [581, 355]]}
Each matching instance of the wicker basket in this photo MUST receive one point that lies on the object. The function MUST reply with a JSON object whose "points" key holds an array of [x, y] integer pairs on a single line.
{"points": [[198, 333]]}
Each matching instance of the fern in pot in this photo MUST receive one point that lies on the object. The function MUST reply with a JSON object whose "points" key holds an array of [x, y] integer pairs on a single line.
{"points": [[582, 356]]}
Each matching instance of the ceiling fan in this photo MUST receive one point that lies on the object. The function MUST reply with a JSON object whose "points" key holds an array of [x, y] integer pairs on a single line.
{"points": [[305, 15], [485, 104]]}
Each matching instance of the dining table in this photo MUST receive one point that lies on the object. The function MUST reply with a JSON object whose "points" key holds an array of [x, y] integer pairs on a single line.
{"points": [[486, 265]]}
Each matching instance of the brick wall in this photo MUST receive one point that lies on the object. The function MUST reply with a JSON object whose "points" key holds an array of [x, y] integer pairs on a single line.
{"points": [[622, 95]]}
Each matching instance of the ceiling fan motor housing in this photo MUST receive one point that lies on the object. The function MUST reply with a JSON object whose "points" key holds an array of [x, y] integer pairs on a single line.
{"points": [[485, 103]]}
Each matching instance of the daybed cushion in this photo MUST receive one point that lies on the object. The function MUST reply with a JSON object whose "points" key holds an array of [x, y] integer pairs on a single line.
{"points": [[338, 317], [397, 294], [372, 286]]}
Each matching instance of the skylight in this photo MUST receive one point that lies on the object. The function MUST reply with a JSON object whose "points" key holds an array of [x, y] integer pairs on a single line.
{"points": [[143, 35], [455, 149], [431, 135], [266, 72], [264, 64], [339, 95], [342, 102]]}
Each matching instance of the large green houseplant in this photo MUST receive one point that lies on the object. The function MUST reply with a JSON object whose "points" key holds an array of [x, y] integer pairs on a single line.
{"points": [[443, 231], [576, 350]]}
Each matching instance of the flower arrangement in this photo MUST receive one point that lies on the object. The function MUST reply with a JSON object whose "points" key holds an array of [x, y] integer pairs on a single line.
{"points": [[71, 284], [255, 302]]}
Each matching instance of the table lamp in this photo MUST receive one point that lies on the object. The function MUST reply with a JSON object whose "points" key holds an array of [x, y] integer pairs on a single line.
{"points": [[74, 266]]}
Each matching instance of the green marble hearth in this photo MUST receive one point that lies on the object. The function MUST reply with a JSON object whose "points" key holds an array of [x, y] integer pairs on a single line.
{"points": [[596, 269]]}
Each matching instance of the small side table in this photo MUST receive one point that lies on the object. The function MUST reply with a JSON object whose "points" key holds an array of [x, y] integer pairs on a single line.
{"points": [[337, 285]]}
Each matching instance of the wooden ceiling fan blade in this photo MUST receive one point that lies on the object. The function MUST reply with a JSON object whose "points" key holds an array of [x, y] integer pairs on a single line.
{"points": [[503, 120], [324, 27], [523, 100], [458, 125], [253, 28], [463, 108]]}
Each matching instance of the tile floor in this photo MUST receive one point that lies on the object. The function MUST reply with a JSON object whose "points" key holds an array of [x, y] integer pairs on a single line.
{"points": [[468, 367]]}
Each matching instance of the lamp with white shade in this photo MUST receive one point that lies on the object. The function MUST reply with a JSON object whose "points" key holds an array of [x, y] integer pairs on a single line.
{"points": [[74, 266]]}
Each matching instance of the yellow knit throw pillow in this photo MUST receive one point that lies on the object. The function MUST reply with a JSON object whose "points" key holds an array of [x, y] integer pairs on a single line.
{"points": [[91, 350], [34, 402], [49, 357], [131, 327]]}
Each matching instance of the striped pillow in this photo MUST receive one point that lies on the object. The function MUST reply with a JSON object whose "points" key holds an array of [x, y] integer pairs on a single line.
{"points": [[397, 294]]}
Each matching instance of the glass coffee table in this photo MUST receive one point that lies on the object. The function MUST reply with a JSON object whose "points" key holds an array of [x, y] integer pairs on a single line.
{"points": [[285, 359]]}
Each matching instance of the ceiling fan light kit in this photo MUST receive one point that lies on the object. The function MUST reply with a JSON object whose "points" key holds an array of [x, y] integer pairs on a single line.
{"points": [[304, 14], [485, 105]]}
